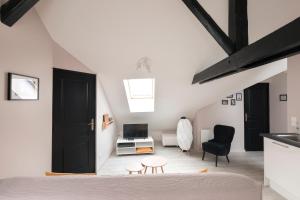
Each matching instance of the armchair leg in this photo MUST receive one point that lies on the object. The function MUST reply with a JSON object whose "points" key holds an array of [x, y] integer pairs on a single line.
{"points": [[227, 159], [216, 161], [203, 156]]}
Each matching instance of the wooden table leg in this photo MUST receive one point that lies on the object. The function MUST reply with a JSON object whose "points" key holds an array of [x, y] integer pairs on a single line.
{"points": [[145, 169], [140, 172], [162, 169], [152, 170], [130, 172]]}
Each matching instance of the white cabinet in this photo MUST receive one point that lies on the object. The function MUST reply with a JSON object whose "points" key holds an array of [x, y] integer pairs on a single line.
{"points": [[282, 168], [134, 146]]}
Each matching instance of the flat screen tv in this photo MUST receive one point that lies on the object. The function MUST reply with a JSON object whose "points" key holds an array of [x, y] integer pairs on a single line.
{"points": [[131, 131]]}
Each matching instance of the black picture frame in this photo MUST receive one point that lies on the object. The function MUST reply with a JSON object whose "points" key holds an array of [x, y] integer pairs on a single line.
{"points": [[224, 102], [233, 102], [230, 96], [283, 97], [239, 97], [10, 85]]}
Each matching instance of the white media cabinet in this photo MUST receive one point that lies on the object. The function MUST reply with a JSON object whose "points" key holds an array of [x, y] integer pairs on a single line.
{"points": [[134, 146]]}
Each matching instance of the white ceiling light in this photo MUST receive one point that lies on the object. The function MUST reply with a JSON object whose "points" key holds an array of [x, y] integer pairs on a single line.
{"points": [[140, 94], [144, 64]]}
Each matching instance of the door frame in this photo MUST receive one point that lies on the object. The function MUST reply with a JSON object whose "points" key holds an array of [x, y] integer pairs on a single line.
{"points": [[93, 165]]}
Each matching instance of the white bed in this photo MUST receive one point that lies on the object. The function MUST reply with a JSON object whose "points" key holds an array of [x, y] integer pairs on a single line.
{"points": [[210, 186]]}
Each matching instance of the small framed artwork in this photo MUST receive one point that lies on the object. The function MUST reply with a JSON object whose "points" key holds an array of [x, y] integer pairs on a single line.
{"points": [[233, 103], [224, 102], [283, 97], [230, 96], [239, 96], [22, 87]]}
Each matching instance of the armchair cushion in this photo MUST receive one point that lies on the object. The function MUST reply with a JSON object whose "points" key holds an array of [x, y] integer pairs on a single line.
{"points": [[214, 148]]}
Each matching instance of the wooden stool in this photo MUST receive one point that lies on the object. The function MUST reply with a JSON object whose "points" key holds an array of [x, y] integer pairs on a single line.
{"points": [[154, 162], [138, 168]]}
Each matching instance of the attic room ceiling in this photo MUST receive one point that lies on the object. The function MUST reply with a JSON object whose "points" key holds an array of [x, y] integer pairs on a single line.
{"points": [[110, 36]]}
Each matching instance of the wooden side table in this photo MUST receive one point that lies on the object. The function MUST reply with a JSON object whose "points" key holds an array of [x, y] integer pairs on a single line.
{"points": [[137, 168], [154, 162]]}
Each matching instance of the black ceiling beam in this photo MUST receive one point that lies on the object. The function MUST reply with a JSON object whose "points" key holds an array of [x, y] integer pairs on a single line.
{"points": [[238, 23], [13, 10], [280, 44], [211, 26]]}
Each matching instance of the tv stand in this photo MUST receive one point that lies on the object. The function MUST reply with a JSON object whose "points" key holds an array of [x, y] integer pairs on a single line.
{"points": [[134, 146]]}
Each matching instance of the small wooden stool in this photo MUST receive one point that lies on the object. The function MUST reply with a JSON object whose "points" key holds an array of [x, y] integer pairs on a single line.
{"points": [[138, 168], [154, 162]]}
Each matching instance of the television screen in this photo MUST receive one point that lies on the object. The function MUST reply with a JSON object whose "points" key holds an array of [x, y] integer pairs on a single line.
{"points": [[135, 130]]}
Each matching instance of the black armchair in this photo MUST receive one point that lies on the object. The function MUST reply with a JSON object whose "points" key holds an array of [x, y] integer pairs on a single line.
{"points": [[220, 145]]}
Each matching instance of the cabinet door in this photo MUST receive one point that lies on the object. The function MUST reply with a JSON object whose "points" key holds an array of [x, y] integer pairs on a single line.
{"points": [[276, 160], [293, 171], [282, 165]]}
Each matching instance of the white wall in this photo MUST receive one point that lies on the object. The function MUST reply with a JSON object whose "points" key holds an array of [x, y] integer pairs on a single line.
{"points": [[216, 113], [278, 109], [26, 126], [63, 60], [229, 115], [293, 89], [105, 137]]}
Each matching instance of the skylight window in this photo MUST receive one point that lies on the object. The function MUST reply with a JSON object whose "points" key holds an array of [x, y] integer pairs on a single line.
{"points": [[140, 94]]}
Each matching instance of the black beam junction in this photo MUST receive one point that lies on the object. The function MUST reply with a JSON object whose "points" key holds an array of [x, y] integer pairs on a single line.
{"points": [[211, 26]]}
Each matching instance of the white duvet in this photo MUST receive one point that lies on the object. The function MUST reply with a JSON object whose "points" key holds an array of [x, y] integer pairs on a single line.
{"points": [[211, 186]]}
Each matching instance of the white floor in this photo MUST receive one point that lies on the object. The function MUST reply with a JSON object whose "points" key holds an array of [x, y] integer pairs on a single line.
{"points": [[247, 163]]}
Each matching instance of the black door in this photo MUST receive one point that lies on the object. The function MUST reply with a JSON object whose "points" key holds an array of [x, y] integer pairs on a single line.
{"points": [[256, 106], [73, 137]]}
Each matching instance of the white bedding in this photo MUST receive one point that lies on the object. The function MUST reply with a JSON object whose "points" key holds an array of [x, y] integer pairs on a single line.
{"points": [[211, 186]]}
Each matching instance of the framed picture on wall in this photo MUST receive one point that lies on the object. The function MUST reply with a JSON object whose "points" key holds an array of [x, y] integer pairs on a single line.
{"points": [[233, 103], [283, 97], [239, 96], [224, 102], [230, 96], [21, 87]]}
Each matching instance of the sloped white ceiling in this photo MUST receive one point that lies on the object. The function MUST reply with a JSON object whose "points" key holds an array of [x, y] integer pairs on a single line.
{"points": [[110, 36]]}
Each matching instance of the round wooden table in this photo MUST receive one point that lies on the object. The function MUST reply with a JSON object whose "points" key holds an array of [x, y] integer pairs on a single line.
{"points": [[154, 162], [138, 168]]}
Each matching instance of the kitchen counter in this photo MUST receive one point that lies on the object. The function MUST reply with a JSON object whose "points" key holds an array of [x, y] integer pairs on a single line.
{"points": [[292, 139]]}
